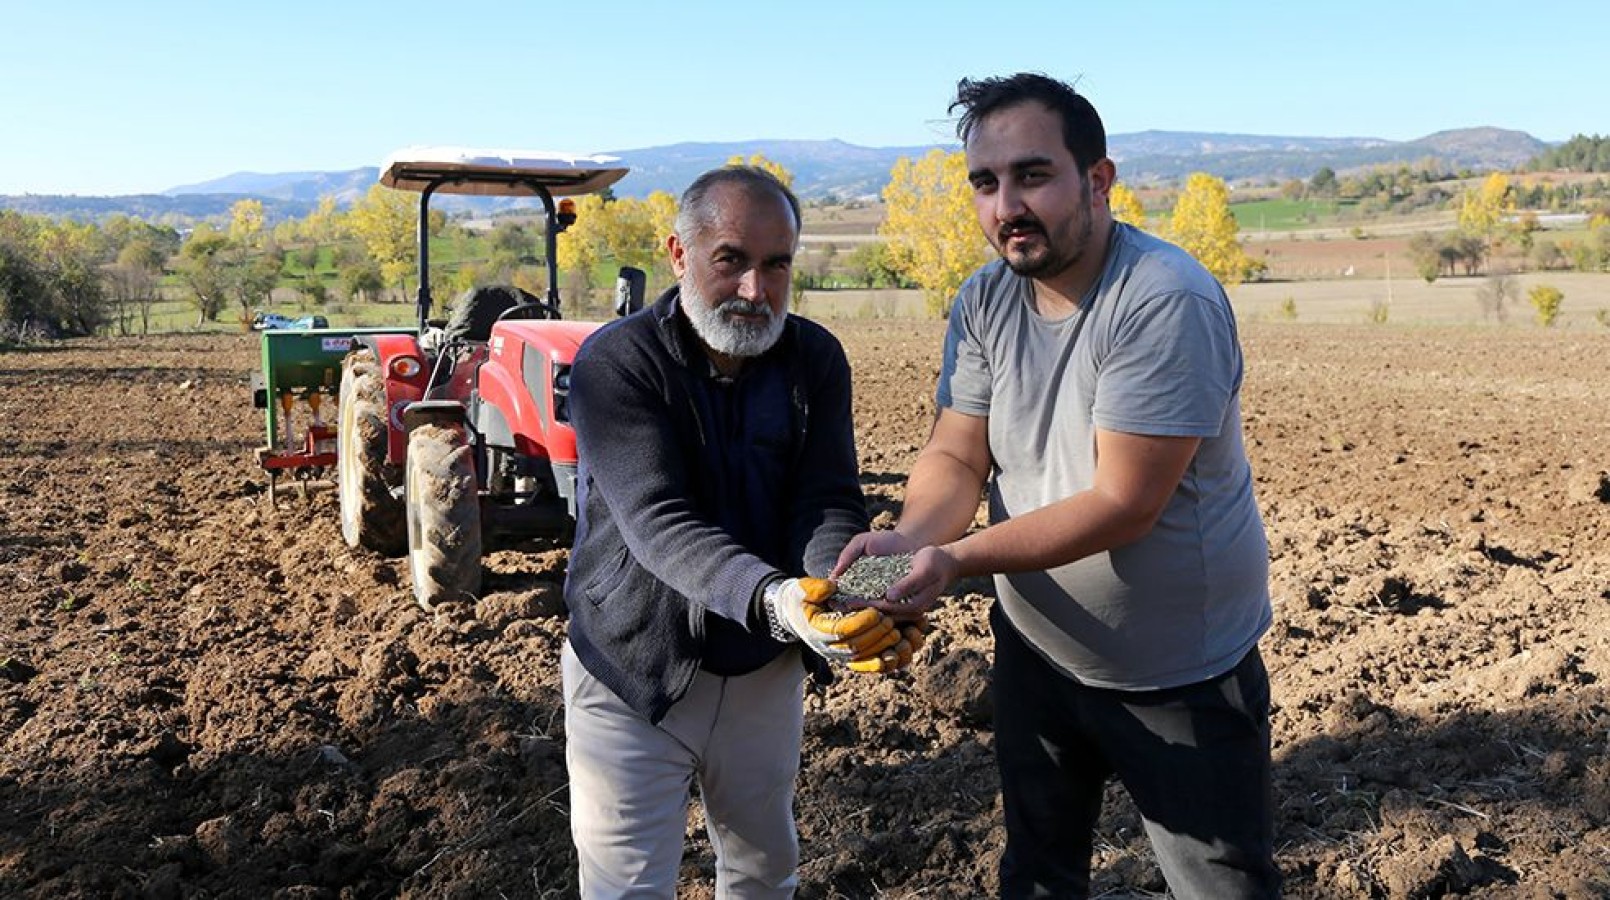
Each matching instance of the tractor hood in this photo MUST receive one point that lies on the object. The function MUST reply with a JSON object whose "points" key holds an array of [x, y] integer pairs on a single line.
{"points": [[558, 340], [499, 173]]}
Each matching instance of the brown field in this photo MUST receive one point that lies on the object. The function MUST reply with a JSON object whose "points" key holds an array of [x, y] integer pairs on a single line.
{"points": [[204, 694], [1330, 275]]}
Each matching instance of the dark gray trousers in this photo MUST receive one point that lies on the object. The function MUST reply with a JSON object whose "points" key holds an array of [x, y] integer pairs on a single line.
{"points": [[1194, 758]]}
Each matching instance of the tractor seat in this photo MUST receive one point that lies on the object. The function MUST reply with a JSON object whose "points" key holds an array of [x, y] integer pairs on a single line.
{"points": [[476, 309]]}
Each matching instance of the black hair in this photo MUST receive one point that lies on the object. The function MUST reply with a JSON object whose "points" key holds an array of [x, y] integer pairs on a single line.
{"points": [[1082, 131]]}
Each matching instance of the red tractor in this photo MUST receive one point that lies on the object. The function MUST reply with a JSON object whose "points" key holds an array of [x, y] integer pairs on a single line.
{"points": [[460, 431]]}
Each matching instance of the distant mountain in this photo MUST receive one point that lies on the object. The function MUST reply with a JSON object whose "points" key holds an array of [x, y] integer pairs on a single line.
{"points": [[156, 208], [833, 168], [289, 186], [821, 168], [1162, 156]]}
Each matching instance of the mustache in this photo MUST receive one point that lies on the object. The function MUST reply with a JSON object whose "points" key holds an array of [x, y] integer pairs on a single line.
{"points": [[740, 307], [1023, 225]]}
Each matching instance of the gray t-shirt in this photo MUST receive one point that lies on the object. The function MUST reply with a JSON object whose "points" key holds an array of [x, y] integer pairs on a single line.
{"points": [[1153, 350]]}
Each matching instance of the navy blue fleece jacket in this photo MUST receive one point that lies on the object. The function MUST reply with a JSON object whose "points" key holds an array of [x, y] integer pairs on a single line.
{"points": [[694, 492]]}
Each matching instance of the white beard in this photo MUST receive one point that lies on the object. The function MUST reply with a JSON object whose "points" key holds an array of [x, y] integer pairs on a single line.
{"points": [[732, 337]]}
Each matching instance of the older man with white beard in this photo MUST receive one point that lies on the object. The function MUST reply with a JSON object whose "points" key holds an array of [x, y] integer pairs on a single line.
{"points": [[718, 473]]}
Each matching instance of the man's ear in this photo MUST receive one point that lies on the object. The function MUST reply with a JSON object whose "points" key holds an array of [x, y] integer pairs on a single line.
{"points": [[1103, 174], [678, 253]]}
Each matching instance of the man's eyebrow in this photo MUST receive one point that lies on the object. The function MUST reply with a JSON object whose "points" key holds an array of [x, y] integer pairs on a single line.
{"points": [[1016, 165], [1030, 162]]}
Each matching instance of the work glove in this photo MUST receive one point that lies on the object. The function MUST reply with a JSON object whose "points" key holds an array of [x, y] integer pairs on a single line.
{"points": [[801, 609], [912, 635]]}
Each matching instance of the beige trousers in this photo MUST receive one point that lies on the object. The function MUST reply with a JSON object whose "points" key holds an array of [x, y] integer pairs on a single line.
{"points": [[737, 738]]}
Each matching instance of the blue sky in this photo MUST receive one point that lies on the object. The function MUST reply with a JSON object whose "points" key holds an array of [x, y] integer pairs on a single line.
{"points": [[113, 98]]}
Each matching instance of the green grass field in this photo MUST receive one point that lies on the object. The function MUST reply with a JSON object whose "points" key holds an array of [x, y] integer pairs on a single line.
{"points": [[1286, 215]]}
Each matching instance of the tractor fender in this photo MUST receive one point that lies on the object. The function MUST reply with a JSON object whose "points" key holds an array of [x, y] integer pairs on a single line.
{"points": [[431, 412], [395, 352], [491, 425]]}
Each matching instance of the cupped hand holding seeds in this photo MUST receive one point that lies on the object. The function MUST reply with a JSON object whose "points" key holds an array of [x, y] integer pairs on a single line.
{"points": [[866, 582], [926, 573]]}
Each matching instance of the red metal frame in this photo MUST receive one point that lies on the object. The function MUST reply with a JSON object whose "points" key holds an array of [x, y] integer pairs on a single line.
{"points": [[399, 391], [309, 456], [502, 384]]}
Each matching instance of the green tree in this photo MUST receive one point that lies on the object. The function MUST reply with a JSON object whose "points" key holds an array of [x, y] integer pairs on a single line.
{"points": [[1423, 250], [23, 281], [932, 232], [512, 238], [1323, 184], [1546, 255], [1203, 225], [252, 276], [133, 284], [202, 269], [360, 278], [1582, 153], [51, 278], [142, 253], [872, 265], [131, 292]]}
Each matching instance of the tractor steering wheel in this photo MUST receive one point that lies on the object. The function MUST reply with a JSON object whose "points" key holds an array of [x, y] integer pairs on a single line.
{"points": [[536, 309]]}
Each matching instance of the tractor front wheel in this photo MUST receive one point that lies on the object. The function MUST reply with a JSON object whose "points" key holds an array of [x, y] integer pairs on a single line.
{"points": [[444, 515], [371, 510]]}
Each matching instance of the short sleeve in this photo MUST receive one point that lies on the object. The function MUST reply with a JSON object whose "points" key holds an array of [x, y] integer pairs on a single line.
{"points": [[1172, 370], [964, 369]]}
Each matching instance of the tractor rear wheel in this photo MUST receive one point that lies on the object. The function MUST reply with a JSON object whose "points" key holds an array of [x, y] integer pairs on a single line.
{"points": [[371, 510], [444, 515]]}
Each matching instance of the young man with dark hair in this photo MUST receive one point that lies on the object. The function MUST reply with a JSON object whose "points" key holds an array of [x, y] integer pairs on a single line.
{"points": [[1091, 380]]}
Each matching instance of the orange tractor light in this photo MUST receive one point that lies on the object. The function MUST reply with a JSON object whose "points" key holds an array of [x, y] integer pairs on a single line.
{"points": [[405, 367]]}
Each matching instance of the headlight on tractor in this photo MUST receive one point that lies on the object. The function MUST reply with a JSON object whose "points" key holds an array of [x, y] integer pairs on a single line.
{"points": [[561, 392], [405, 367]]}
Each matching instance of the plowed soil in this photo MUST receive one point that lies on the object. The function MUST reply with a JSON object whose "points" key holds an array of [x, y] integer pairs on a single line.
{"points": [[206, 694]]}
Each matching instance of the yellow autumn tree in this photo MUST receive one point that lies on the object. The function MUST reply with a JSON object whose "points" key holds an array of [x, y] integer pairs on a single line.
{"points": [[625, 232], [929, 224], [246, 220], [582, 245], [326, 223], [385, 222], [1482, 210], [1203, 225], [1126, 206], [759, 161]]}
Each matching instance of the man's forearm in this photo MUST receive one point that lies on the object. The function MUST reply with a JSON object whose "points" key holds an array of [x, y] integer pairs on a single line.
{"points": [[942, 497], [1082, 525]]}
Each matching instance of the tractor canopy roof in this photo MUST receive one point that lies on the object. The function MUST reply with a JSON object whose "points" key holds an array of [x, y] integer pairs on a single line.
{"points": [[501, 173]]}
